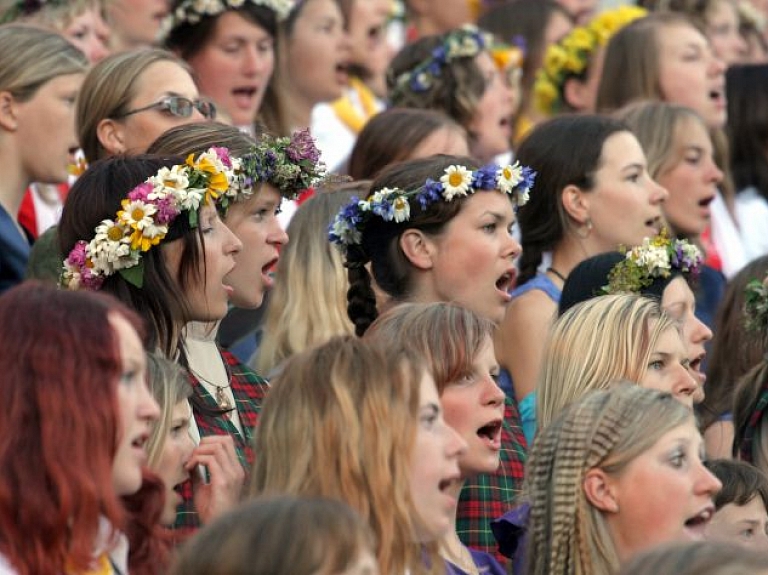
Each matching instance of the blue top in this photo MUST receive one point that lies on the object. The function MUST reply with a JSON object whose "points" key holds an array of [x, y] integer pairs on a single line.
{"points": [[527, 405], [14, 252], [539, 282]]}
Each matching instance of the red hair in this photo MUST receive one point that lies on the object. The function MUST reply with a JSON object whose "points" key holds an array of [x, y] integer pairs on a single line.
{"points": [[60, 361]]}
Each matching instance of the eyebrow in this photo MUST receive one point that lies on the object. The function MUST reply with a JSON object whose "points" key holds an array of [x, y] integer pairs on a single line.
{"points": [[635, 166]]}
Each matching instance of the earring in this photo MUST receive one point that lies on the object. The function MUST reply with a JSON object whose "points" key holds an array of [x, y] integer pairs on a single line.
{"points": [[588, 225]]}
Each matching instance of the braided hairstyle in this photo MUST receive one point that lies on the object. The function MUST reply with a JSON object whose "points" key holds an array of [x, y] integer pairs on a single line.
{"points": [[551, 150], [607, 429], [380, 244]]}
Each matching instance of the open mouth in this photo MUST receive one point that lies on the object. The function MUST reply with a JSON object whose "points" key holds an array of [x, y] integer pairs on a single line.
{"points": [[491, 433], [244, 95], [140, 442], [695, 367], [695, 525], [706, 201], [717, 95], [506, 282], [655, 224]]}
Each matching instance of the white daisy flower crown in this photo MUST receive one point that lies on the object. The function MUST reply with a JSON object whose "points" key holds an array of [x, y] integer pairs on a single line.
{"points": [[457, 181], [193, 11], [145, 218]]}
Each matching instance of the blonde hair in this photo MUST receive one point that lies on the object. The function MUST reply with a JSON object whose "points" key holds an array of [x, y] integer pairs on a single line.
{"points": [[30, 57], [423, 328], [598, 341], [320, 536], [54, 16], [656, 125], [108, 90], [169, 385], [308, 303], [340, 422], [606, 429]]}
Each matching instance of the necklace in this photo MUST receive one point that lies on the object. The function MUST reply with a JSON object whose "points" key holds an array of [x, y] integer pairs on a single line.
{"points": [[222, 399], [556, 273]]}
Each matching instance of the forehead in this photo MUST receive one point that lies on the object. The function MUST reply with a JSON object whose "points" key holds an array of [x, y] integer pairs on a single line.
{"points": [[620, 148], [679, 36]]}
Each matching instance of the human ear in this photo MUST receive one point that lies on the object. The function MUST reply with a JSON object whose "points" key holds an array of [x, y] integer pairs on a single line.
{"points": [[111, 135], [576, 204], [575, 93], [418, 248], [600, 491], [8, 104]]}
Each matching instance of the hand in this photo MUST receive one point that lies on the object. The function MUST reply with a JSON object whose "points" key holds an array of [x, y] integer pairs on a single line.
{"points": [[225, 476]]}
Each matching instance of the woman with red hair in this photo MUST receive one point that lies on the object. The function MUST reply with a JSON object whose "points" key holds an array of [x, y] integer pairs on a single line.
{"points": [[77, 413]]}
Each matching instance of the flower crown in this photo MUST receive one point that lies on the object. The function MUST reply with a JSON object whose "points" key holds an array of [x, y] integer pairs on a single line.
{"points": [[465, 42], [570, 57], [656, 257], [457, 181], [192, 11], [289, 164], [756, 306], [145, 218]]}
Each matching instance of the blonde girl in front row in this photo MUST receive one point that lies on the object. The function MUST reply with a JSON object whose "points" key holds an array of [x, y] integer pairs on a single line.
{"points": [[629, 477], [356, 422]]}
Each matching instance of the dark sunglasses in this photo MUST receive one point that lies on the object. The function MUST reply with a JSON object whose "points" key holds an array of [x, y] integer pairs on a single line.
{"points": [[179, 107]]}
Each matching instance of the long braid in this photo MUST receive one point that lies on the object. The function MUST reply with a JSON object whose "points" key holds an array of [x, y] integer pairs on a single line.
{"points": [[361, 299]]}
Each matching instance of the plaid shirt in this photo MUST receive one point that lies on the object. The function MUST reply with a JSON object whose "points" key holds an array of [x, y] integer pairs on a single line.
{"points": [[488, 496], [249, 390]]}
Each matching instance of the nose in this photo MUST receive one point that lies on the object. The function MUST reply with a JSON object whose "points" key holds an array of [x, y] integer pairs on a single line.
{"points": [[684, 385], [715, 173], [345, 42], [659, 193], [697, 330], [707, 482], [148, 409], [252, 61], [98, 51], [188, 448], [455, 446], [495, 395], [716, 66], [277, 235], [232, 244], [513, 249]]}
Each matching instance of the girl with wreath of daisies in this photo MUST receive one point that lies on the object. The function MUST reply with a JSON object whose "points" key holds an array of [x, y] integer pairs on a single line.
{"points": [[146, 229], [439, 229], [252, 215]]}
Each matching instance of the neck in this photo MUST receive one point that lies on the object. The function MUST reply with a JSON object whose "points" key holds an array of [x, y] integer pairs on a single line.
{"points": [[566, 256], [13, 184], [298, 108], [451, 547]]}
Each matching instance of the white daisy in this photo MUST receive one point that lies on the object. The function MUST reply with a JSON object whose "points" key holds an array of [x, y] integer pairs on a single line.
{"points": [[509, 177], [402, 209], [456, 182], [137, 214]]}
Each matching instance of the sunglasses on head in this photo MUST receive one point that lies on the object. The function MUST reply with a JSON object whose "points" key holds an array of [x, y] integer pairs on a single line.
{"points": [[179, 107]]}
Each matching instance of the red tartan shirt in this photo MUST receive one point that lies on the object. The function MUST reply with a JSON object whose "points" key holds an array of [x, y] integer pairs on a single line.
{"points": [[489, 496], [249, 391]]}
